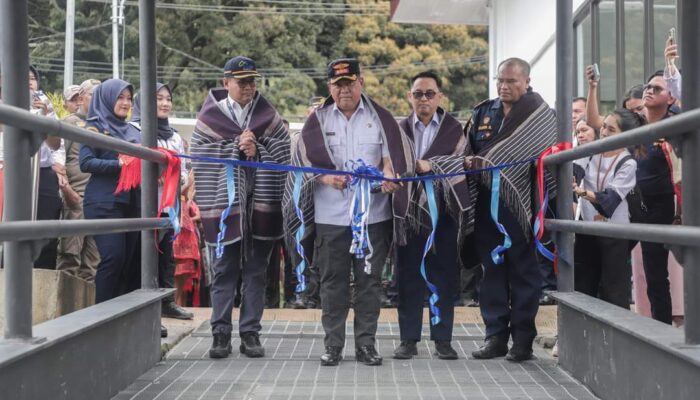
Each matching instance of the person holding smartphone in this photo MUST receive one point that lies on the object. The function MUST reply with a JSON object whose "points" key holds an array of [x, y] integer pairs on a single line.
{"points": [[671, 74]]}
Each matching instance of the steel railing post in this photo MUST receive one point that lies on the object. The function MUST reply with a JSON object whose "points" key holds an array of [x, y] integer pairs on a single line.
{"points": [[690, 54], [564, 172], [149, 170], [18, 148]]}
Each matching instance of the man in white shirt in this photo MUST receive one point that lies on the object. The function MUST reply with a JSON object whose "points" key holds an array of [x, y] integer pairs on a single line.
{"points": [[347, 128]]}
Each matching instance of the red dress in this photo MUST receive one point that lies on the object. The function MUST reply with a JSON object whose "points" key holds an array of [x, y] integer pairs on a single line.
{"points": [[188, 260]]}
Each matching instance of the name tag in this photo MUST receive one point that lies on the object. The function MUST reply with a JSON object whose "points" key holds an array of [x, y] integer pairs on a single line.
{"points": [[330, 133]]}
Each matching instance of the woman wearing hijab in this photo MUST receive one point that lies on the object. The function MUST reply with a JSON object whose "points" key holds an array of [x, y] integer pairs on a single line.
{"points": [[169, 139], [119, 270]]}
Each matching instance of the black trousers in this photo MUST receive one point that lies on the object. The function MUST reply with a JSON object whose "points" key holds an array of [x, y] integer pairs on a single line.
{"points": [[441, 269], [602, 268], [49, 206], [227, 272], [166, 261], [659, 210], [119, 270], [472, 272], [510, 291], [335, 263]]}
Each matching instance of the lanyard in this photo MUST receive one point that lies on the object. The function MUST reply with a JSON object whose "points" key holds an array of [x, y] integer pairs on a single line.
{"points": [[243, 124], [599, 183]]}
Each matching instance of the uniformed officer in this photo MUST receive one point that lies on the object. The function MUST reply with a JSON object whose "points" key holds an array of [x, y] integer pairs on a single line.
{"points": [[515, 126], [440, 147], [350, 126]]}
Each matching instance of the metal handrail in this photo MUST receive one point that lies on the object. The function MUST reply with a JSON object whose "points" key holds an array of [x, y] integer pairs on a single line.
{"points": [[34, 230], [676, 235], [667, 128], [27, 121]]}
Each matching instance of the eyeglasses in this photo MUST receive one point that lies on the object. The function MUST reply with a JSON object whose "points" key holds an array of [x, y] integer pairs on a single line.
{"points": [[654, 88], [428, 95], [246, 82]]}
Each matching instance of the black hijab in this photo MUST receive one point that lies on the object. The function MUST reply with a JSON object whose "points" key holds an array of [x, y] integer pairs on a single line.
{"points": [[165, 132]]}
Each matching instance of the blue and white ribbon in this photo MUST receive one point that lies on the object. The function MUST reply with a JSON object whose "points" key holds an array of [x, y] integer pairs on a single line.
{"points": [[432, 207], [231, 190], [363, 186], [296, 194], [497, 253], [536, 227], [174, 216]]}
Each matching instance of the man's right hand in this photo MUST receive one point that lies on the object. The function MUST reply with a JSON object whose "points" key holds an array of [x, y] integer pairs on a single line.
{"points": [[591, 77], [336, 181]]}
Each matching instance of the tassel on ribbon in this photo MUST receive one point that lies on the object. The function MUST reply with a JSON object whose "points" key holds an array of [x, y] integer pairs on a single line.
{"points": [[231, 190], [130, 174], [543, 197], [296, 195], [434, 297], [363, 185], [497, 252]]}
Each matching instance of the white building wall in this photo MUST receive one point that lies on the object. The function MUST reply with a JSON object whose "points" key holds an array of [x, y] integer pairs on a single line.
{"points": [[521, 28]]}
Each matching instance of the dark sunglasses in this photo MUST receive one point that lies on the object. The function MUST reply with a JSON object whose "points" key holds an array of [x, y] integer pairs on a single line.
{"points": [[654, 88], [428, 95]]}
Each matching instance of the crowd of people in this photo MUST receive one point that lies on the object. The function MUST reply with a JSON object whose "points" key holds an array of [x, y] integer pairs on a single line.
{"points": [[238, 238]]}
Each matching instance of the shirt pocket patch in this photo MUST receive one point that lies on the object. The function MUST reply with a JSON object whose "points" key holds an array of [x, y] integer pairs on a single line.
{"points": [[370, 146]]}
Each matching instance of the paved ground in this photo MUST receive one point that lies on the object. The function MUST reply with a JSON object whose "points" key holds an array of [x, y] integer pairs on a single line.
{"points": [[294, 340]]}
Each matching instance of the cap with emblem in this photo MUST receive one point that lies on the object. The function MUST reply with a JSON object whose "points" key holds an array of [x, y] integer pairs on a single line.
{"points": [[344, 68], [240, 67], [70, 92]]}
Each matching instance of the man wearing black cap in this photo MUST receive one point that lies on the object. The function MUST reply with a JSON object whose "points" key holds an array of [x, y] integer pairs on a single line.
{"points": [[238, 123], [348, 127]]}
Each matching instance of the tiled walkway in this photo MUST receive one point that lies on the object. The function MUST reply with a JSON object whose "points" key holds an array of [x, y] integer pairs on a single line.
{"points": [[291, 370]]}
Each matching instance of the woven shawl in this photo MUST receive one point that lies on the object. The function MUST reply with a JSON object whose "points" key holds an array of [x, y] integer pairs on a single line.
{"points": [[446, 154], [527, 130], [312, 150], [257, 211]]}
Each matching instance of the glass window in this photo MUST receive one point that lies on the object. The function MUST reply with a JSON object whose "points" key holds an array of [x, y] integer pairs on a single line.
{"points": [[634, 43], [607, 87], [583, 56], [664, 19]]}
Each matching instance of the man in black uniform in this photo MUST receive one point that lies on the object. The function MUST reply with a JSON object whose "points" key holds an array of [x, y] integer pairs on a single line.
{"points": [[515, 126]]}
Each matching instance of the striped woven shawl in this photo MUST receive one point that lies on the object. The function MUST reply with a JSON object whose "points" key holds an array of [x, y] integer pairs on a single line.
{"points": [[527, 130], [446, 155], [312, 150], [256, 212]]}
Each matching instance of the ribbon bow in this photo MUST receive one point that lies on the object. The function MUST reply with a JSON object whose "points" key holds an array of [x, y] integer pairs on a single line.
{"points": [[365, 180]]}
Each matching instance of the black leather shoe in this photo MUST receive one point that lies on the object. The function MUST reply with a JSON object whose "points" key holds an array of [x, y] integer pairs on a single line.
{"points": [[519, 352], [444, 351], [493, 347], [368, 355], [171, 310], [163, 331], [250, 345], [296, 302], [332, 356], [406, 350], [221, 347]]}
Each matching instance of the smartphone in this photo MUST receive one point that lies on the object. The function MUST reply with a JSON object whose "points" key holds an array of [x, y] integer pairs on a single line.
{"points": [[596, 72], [672, 35]]}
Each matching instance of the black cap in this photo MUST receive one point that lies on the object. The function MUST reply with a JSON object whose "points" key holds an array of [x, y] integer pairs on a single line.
{"points": [[240, 67], [344, 68]]}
